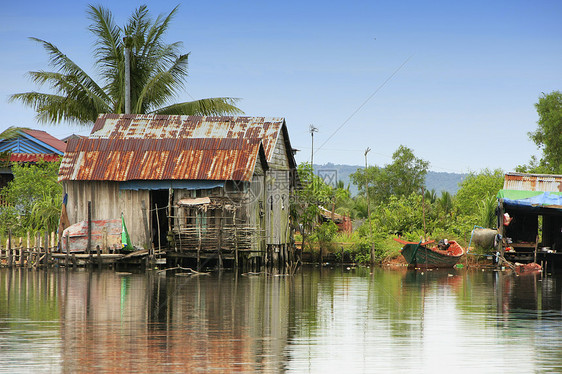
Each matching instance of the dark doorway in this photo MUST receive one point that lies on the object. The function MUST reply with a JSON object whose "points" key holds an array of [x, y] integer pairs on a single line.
{"points": [[159, 217]]}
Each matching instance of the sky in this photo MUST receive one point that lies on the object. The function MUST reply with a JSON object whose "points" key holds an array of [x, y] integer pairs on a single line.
{"points": [[456, 82]]}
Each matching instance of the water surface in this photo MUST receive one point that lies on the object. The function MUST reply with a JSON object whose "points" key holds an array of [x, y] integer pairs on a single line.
{"points": [[340, 320]]}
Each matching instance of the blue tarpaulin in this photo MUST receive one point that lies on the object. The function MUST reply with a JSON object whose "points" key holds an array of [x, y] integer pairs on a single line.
{"points": [[535, 199]]}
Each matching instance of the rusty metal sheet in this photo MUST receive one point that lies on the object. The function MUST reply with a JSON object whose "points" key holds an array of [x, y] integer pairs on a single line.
{"points": [[34, 157], [160, 159], [532, 182], [149, 126], [105, 233]]}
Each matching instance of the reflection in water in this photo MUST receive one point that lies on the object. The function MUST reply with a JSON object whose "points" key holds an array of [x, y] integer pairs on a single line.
{"points": [[320, 320]]}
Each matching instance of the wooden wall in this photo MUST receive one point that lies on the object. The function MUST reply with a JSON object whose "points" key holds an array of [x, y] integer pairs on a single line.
{"points": [[278, 190], [108, 202]]}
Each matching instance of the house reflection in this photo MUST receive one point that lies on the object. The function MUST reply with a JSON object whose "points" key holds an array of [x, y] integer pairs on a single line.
{"points": [[155, 322]]}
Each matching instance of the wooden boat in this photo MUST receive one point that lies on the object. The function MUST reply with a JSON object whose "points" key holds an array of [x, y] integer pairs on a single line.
{"points": [[421, 255]]}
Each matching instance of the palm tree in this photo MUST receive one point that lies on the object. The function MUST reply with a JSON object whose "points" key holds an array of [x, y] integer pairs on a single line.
{"points": [[157, 71], [446, 202]]}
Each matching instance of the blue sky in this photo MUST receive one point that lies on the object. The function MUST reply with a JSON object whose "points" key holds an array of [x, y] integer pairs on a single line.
{"points": [[454, 81]]}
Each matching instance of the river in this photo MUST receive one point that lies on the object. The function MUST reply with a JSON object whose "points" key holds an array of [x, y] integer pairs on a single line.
{"points": [[329, 320]]}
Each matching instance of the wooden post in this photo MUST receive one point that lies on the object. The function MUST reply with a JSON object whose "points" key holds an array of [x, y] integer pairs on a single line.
{"points": [[47, 246], [145, 222], [28, 249], [158, 224], [37, 249], [200, 226], [501, 230], [67, 247], [9, 248], [89, 245], [170, 201], [22, 253], [104, 245], [536, 248], [219, 244], [235, 239]]}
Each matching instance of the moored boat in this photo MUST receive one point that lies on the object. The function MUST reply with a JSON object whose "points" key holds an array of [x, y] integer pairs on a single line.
{"points": [[421, 255]]}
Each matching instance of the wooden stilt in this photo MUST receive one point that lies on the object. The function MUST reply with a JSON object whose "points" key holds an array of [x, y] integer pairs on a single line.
{"points": [[235, 239], [67, 248], [219, 244], [89, 245], [9, 249]]}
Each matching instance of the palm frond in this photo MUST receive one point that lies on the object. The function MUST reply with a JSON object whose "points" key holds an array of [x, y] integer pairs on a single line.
{"points": [[108, 51], [155, 33], [55, 108], [204, 107], [158, 74], [67, 67], [12, 132], [161, 86]]}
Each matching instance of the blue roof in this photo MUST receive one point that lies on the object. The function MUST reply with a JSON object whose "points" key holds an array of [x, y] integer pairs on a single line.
{"points": [[25, 142]]}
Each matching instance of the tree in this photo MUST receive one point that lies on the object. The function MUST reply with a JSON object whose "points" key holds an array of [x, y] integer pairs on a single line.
{"points": [[407, 172], [548, 135], [305, 208], [404, 176], [476, 188], [33, 198], [157, 70]]}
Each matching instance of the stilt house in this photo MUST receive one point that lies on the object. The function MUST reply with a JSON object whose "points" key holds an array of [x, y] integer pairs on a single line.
{"points": [[199, 186], [530, 218]]}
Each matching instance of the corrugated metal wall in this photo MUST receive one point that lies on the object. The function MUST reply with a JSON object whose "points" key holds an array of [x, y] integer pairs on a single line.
{"points": [[532, 182]]}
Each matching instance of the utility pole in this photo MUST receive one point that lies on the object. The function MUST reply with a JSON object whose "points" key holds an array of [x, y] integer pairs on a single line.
{"points": [[369, 210], [312, 130], [127, 44]]}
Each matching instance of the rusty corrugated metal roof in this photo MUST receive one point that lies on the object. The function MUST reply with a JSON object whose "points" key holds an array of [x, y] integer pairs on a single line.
{"points": [[149, 126], [532, 182], [34, 157], [118, 159]]}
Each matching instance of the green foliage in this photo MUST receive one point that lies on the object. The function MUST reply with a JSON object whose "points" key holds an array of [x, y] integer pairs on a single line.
{"points": [[158, 74], [487, 211], [405, 175], [305, 207], [548, 135], [34, 198], [476, 187], [430, 196], [325, 232]]}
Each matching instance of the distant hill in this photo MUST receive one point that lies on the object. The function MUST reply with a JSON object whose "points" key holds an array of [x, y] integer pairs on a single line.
{"points": [[438, 181]]}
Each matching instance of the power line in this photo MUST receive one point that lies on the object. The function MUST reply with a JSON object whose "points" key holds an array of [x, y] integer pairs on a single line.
{"points": [[366, 101]]}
